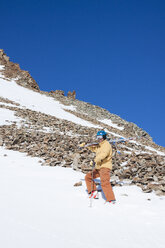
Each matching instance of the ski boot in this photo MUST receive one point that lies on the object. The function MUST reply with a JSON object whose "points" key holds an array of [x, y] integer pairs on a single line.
{"points": [[94, 194]]}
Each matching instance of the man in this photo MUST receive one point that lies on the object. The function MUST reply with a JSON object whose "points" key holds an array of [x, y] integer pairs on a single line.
{"points": [[103, 166]]}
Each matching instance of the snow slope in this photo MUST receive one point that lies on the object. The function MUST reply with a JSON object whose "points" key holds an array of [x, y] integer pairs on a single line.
{"points": [[1, 67], [35, 101], [110, 123], [38, 102], [39, 207], [7, 117]]}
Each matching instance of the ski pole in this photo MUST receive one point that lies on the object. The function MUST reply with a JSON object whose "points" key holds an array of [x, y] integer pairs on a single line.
{"points": [[92, 183]]}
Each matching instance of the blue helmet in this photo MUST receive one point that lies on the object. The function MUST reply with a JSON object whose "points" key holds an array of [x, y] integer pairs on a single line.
{"points": [[102, 133]]}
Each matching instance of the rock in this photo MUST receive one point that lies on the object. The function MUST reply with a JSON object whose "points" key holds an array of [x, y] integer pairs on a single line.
{"points": [[12, 70], [57, 92], [147, 190], [71, 95], [162, 188], [124, 195], [114, 178], [159, 193], [155, 178], [78, 184], [1, 142]]}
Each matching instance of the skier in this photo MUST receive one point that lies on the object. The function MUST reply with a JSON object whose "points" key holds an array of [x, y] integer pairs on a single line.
{"points": [[103, 166]]}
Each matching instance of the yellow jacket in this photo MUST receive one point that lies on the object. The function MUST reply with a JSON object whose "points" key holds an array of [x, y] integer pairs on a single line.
{"points": [[103, 155]]}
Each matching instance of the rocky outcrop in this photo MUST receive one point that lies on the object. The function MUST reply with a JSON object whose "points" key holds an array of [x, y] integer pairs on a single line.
{"points": [[12, 71], [57, 92], [60, 93], [71, 95]]}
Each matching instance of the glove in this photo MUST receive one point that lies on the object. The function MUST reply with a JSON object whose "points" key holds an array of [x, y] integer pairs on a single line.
{"points": [[97, 161], [91, 163], [82, 145]]}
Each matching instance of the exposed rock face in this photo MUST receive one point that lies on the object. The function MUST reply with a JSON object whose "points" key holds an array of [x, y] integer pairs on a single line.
{"points": [[71, 95], [57, 92], [12, 71], [61, 93]]}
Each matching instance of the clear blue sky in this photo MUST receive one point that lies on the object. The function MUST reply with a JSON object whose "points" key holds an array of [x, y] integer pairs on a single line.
{"points": [[112, 52]]}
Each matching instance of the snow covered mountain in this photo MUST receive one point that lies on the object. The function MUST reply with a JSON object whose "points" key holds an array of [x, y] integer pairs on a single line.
{"points": [[51, 125], [39, 205]]}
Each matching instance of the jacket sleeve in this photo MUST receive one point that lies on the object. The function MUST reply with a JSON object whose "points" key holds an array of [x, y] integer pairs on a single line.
{"points": [[105, 152], [92, 148]]}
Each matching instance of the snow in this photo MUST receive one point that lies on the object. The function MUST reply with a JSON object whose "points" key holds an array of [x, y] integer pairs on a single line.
{"points": [[2, 67], [110, 123], [124, 163], [126, 152], [154, 150], [8, 104], [114, 134], [148, 148], [41, 208], [7, 117], [38, 102]]}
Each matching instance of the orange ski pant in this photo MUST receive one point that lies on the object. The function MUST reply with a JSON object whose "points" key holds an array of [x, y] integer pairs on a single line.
{"points": [[104, 174]]}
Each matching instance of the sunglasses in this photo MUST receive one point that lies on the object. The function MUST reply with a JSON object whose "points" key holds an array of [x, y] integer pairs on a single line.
{"points": [[99, 137]]}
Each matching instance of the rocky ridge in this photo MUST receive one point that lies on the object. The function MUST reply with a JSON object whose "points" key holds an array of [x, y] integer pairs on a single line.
{"points": [[56, 141], [13, 71]]}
